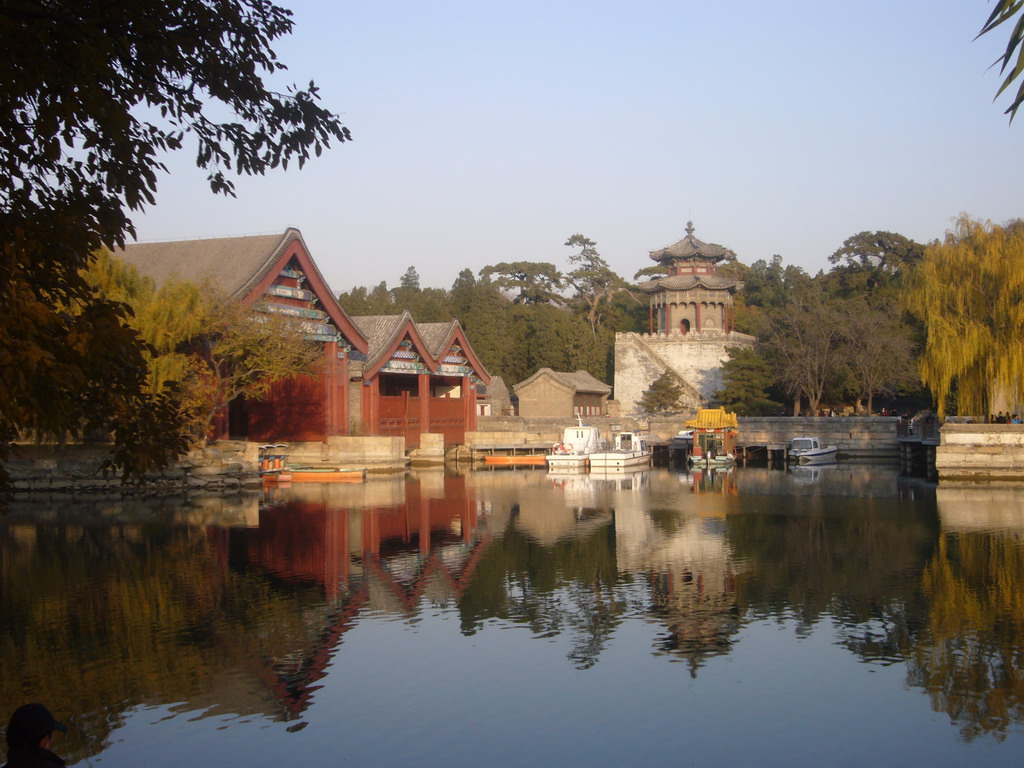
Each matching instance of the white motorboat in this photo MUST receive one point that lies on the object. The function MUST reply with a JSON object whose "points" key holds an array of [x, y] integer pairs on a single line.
{"points": [[807, 449], [631, 450], [573, 451]]}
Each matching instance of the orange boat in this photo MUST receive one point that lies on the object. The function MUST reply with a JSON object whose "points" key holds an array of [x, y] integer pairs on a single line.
{"points": [[537, 460], [326, 475]]}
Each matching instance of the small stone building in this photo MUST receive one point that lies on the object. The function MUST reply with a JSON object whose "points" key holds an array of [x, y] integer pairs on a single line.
{"points": [[554, 394], [494, 399], [691, 326]]}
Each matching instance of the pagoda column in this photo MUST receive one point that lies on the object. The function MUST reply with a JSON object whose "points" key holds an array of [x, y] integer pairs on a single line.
{"points": [[697, 305]]}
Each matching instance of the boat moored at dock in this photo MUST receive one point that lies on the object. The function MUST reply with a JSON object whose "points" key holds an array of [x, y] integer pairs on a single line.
{"points": [[631, 449], [574, 450], [807, 449]]}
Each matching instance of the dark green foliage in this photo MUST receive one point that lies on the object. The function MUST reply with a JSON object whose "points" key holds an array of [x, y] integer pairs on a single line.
{"points": [[662, 396], [557, 339], [530, 282], [375, 301], [746, 384], [871, 265], [772, 284], [595, 283]]}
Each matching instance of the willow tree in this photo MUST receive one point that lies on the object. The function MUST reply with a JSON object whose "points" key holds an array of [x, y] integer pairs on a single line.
{"points": [[968, 291]]}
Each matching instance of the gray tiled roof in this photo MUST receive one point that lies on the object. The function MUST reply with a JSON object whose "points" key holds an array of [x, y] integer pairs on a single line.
{"points": [[685, 282], [232, 264], [579, 381], [380, 331], [692, 248], [434, 335]]}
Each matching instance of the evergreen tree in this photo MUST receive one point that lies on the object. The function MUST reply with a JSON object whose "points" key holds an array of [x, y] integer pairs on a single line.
{"points": [[662, 396], [746, 384], [595, 283]]}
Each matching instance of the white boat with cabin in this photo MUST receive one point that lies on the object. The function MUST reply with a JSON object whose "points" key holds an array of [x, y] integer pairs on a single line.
{"points": [[631, 450], [807, 449], [575, 448]]}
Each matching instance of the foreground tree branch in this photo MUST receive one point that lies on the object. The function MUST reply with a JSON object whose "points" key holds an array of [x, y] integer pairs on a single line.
{"points": [[94, 92]]}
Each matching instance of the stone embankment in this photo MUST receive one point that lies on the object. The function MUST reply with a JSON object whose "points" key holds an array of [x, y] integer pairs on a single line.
{"points": [[226, 466], [220, 467], [980, 452], [873, 436]]}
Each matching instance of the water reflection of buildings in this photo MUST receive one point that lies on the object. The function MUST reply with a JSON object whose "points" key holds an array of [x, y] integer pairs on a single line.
{"points": [[965, 508], [382, 546], [679, 544]]}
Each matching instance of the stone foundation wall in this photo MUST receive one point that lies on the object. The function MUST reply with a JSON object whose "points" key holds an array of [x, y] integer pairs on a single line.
{"points": [[852, 435], [695, 357], [223, 466], [861, 436], [980, 451], [350, 450]]}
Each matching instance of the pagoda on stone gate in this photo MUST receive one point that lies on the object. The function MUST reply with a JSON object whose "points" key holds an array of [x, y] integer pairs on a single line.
{"points": [[692, 326]]}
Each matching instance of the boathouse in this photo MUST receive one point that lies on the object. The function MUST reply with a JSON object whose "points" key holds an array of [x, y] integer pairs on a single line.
{"points": [[691, 326], [417, 378], [383, 375], [272, 274], [557, 394]]}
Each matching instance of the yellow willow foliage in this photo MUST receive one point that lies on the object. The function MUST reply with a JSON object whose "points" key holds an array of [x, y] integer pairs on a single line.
{"points": [[969, 293], [118, 281], [168, 319]]}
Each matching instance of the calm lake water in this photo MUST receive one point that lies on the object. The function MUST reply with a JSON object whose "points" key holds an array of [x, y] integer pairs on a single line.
{"points": [[842, 616]]}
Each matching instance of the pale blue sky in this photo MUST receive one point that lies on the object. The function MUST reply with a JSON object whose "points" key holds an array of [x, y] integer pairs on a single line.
{"points": [[492, 131]]}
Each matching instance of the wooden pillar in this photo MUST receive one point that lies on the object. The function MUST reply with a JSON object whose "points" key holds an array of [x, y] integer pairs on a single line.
{"points": [[330, 395], [650, 317], [424, 395], [697, 305], [341, 390], [469, 399], [371, 406]]}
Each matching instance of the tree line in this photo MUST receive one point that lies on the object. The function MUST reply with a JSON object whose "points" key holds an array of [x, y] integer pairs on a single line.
{"points": [[891, 318]]}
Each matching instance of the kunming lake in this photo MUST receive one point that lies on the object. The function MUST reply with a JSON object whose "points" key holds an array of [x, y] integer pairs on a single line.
{"points": [[840, 616]]}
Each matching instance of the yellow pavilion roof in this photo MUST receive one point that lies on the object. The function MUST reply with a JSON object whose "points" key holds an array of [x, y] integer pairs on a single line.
{"points": [[713, 418]]}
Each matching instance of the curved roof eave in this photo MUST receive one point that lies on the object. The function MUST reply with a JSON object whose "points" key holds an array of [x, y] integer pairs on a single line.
{"points": [[281, 253], [457, 333]]}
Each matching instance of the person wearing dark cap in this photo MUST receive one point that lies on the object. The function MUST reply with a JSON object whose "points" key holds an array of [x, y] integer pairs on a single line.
{"points": [[30, 736]]}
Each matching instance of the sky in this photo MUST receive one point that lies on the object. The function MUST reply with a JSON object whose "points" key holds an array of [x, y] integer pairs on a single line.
{"points": [[490, 131]]}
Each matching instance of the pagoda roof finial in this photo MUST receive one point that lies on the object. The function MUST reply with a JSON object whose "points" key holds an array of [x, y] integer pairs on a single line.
{"points": [[689, 228]]}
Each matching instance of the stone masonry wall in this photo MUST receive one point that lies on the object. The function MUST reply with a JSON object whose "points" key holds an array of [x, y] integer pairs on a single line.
{"points": [[695, 357], [223, 466], [980, 451], [863, 436]]}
